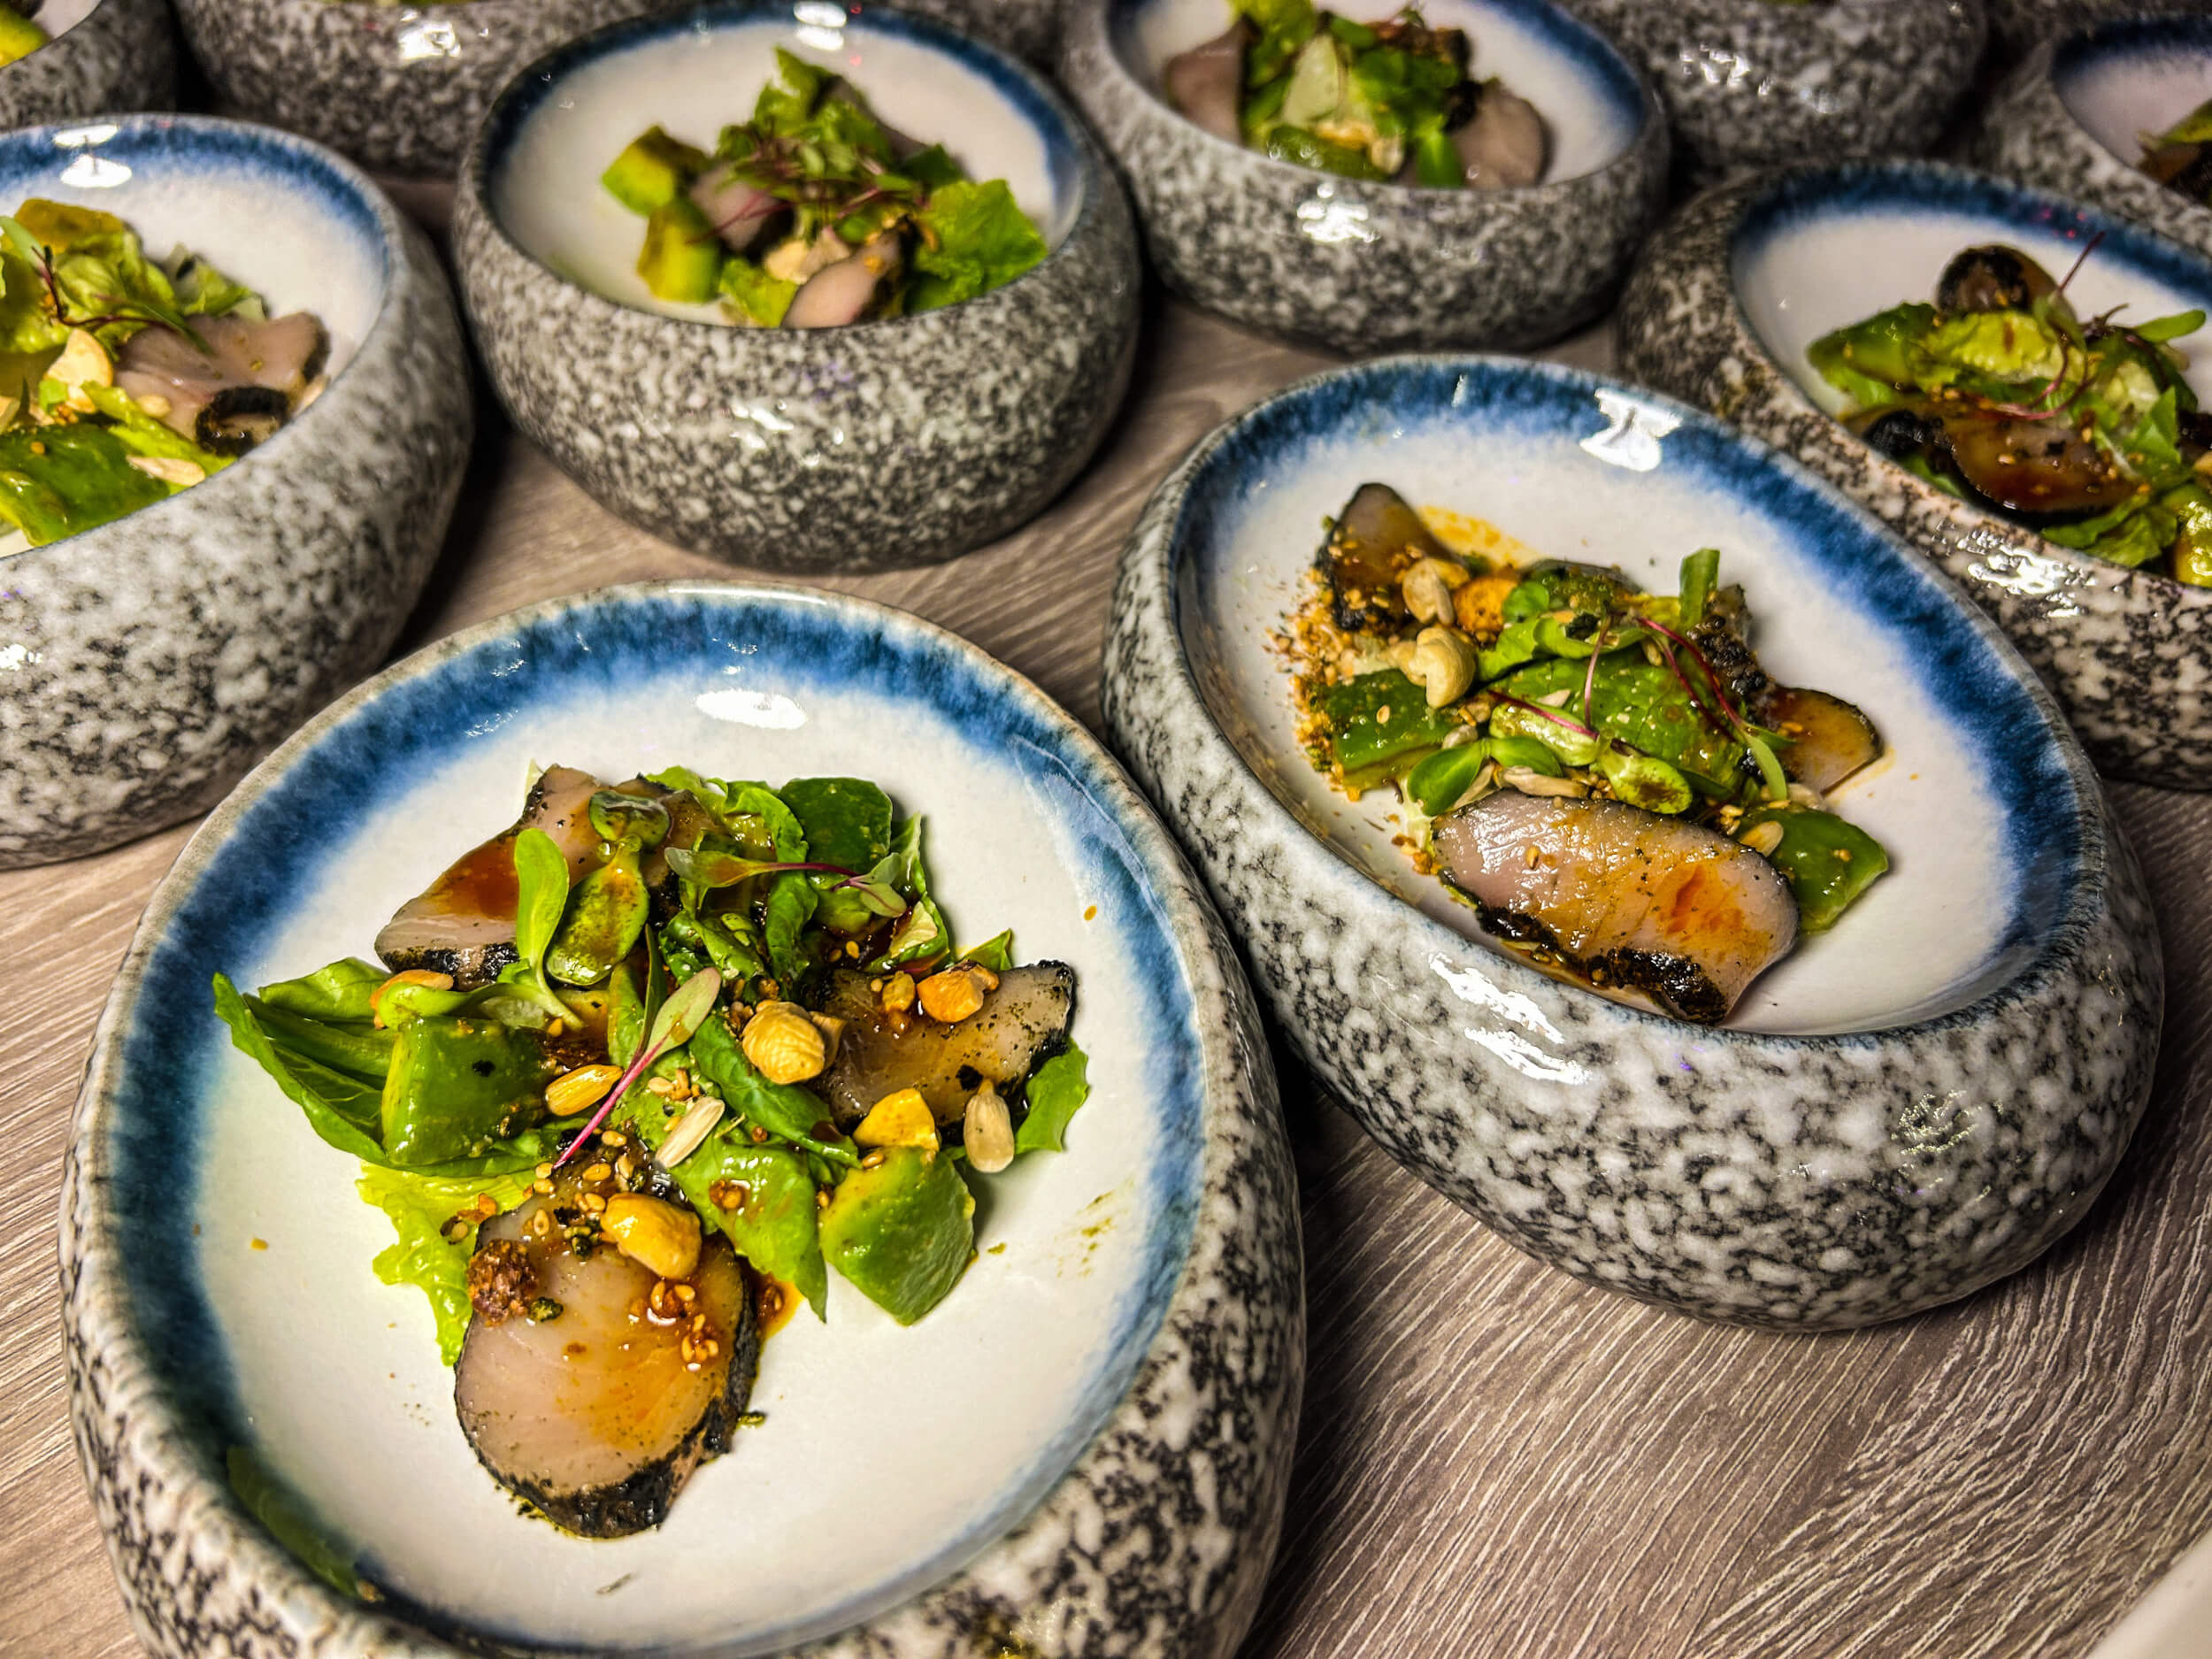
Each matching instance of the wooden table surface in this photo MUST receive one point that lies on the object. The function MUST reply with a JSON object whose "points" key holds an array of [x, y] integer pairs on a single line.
{"points": [[1495, 1460]]}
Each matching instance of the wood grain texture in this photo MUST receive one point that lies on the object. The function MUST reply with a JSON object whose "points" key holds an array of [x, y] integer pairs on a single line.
{"points": [[1495, 1460]]}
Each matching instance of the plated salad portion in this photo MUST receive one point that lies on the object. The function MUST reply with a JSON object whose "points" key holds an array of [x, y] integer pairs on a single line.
{"points": [[1386, 100], [814, 214], [631, 1078], [2082, 429], [123, 380], [1608, 776]]}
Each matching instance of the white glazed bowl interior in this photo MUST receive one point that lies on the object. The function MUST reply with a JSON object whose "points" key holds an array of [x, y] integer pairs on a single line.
{"points": [[1614, 485], [1588, 101], [2125, 80], [1805, 264], [889, 1457], [59, 16], [695, 74]]}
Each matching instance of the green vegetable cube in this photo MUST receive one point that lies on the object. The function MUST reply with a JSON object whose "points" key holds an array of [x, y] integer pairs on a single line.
{"points": [[903, 1231], [655, 170], [682, 256]]}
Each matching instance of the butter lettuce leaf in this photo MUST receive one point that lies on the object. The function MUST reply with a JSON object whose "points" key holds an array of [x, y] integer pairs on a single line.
{"points": [[420, 1208], [974, 239]]}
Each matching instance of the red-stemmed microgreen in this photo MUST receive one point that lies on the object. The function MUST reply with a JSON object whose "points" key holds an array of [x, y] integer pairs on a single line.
{"points": [[690, 1006]]}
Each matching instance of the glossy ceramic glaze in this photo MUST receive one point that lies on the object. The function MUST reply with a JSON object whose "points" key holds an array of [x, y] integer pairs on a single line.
{"points": [[1735, 286], [1360, 266], [2072, 115], [1111, 1390], [146, 663], [898, 443], [105, 55], [2015, 25], [399, 88], [1030, 29], [1762, 83], [1909, 1107]]}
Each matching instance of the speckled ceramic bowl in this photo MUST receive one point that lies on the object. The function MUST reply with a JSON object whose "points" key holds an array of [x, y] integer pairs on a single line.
{"points": [[399, 88], [105, 55], [1731, 292], [1367, 268], [1094, 1429], [145, 664], [1761, 83], [1030, 29], [2071, 116], [898, 443], [1909, 1107], [2014, 26]]}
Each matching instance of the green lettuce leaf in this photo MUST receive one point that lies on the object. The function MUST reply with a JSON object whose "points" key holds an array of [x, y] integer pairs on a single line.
{"points": [[420, 1207], [201, 290], [344, 1109], [57, 481], [974, 239], [2010, 346]]}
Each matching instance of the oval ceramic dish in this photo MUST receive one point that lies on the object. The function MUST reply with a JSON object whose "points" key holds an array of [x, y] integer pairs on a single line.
{"points": [[1761, 83], [1906, 1109], [1734, 287], [399, 88], [1109, 1395], [1364, 267], [104, 55], [2071, 118], [151, 660], [897, 442]]}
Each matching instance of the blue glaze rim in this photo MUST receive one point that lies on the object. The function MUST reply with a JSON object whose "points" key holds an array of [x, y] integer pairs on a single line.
{"points": [[386, 735], [1599, 64], [1074, 175], [1805, 197], [2175, 36], [209, 144], [2040, 791]]}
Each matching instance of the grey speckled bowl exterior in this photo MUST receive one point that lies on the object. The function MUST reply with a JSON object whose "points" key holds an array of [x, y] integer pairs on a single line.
{"points": [[151, 661], [398, 87], [1751, 83], [2128, 652], [1358, 266], [2026, 132], [1154, 1545], [1794, 1182], [1030, 29], [887, 444], [123, 56], [2017, 24]]}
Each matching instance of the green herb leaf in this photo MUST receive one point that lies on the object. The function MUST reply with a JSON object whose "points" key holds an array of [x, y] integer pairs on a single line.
{"points": [[2160, 329], [1055, 1090], [995, 953], [340, 991]]}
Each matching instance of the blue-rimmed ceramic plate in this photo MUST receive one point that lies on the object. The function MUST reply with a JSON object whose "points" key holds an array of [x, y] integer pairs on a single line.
{"points": [[1727, 297], [1905, 1109], [917, 1489]]}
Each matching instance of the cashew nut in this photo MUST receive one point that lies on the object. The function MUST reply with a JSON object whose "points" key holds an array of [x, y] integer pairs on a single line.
{"points": [[1444, 663]]}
